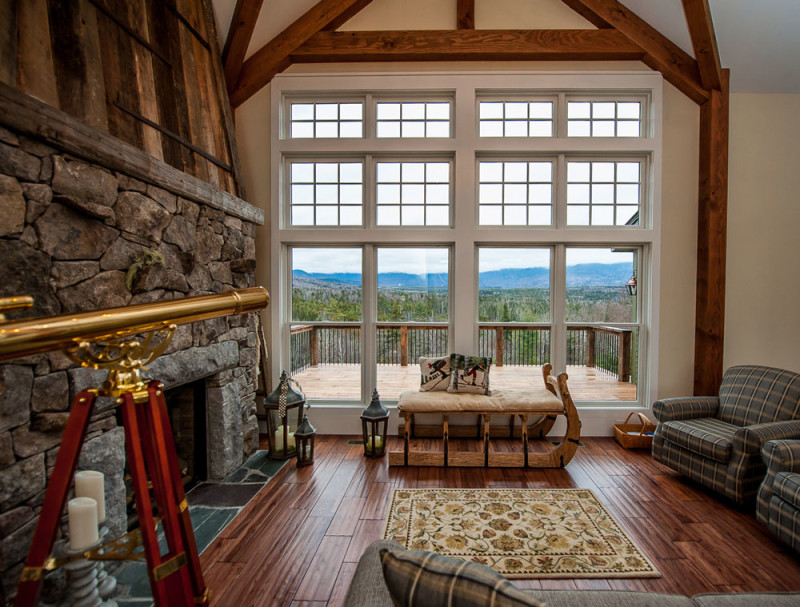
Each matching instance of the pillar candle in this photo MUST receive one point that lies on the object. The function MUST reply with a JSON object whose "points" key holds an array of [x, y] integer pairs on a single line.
{"points": [[376, 440], [279, 441], [82, 514], [89, 483]]}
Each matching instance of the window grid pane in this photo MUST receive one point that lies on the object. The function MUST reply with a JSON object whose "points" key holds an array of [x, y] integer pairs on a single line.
{"points": [[603, 192], [412, 193], [423, 119], [604, 119], [326, 193], [515, 193], [515, 118], [326, 120]]}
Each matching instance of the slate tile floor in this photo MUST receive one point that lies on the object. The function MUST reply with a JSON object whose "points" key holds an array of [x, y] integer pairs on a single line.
{"points": [[212, 505]]}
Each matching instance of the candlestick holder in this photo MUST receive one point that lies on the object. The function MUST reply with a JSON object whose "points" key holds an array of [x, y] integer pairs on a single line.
{"points": [[88, 584]]}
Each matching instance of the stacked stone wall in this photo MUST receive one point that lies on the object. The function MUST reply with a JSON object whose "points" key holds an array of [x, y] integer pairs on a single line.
{"points": [[79, 237]]}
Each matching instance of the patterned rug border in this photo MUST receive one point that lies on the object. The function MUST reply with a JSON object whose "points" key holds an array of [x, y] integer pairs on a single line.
{"points": [[655, 573]]}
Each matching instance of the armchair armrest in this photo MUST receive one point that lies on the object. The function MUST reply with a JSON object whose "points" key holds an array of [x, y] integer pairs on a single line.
{"points": [[690, 407], [781, 455], [750, 438]]}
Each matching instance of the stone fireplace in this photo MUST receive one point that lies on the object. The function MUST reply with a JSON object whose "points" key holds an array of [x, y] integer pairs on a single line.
{"points": [[81, 230]]}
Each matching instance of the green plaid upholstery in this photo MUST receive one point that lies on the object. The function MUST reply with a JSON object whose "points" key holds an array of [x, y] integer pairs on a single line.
{"points": [[787, 487], [692, 407], [716, 441], [417, 578], [706, 436], [778, 504], [752, 394]]}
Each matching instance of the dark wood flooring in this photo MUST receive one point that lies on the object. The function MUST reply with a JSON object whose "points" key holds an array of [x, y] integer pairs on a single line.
{"points": [[298, 541]]}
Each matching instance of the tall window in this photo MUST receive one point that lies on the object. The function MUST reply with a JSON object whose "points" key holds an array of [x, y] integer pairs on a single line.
{"points": [[508, 215]]}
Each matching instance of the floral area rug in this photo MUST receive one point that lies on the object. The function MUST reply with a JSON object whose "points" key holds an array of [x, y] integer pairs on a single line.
{"points": [[522, 533]]}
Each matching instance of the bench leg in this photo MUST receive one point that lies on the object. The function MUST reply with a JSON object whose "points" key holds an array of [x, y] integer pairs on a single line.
{"points": [[445, 437]]}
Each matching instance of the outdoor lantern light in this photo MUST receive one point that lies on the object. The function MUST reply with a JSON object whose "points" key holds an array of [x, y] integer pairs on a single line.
{"points": [[374, 434], [284, 406], [631, 285], [304, 435]]}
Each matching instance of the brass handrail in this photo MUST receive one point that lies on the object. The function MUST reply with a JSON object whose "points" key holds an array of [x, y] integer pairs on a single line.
{"points": [[20, 338]]}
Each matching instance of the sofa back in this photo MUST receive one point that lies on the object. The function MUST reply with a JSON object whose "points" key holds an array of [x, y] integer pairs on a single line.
{"points": [[752, 394]]}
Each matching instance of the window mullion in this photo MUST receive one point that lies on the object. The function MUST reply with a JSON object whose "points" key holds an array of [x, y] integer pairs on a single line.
{"points": [[558, 295], [369, 307]]}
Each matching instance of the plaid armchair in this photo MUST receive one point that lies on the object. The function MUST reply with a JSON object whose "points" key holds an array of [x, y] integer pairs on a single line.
{"points": [[778, 504], [716, 440]]}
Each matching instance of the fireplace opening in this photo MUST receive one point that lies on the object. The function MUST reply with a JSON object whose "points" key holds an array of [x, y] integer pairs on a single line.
{"points": [[186, 407], [186, 410]]}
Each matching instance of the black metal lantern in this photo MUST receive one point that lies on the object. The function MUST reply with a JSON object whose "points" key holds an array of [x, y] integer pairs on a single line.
{"points": [[304, 435], [631, 285], [374, 434], [284, 406]]}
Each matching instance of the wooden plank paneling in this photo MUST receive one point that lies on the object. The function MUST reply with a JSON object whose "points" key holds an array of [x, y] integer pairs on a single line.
{"points": [[8, 41], [35, 70], [125, 67], [711, 241], [467, 45]]}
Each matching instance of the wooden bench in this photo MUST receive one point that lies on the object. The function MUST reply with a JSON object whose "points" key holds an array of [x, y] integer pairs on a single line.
{"points": [[543, 404]]}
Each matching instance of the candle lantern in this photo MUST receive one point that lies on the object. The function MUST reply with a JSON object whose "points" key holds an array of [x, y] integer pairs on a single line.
{"points": [[304, 435], [374, 420], [284, 406]]}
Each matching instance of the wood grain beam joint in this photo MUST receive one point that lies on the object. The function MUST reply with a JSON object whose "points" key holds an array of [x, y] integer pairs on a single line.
{"points": [[704, 42]]}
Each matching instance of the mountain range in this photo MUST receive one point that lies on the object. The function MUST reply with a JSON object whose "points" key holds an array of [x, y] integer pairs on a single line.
{"points": [[580, 275]]}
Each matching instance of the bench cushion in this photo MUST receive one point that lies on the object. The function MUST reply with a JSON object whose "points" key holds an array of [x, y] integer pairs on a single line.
{"points": [[535, 400]]}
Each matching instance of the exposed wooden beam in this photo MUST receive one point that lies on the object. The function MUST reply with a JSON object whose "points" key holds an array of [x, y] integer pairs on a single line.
{"points": [[704, 42], [243, 23], [674, 64], [711, 241], [465, 12], [346, 15], [273, 57], [467, 45]]}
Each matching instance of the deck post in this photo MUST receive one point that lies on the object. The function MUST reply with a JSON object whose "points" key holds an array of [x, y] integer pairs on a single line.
{"points": [[590, 341], [314, 346], [498, 346]]}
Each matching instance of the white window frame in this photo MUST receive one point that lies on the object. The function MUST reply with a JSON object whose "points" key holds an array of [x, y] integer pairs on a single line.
{"points": [[465, 147]]}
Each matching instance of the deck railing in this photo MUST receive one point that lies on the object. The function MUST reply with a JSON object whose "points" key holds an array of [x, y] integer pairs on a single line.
{"points": [[604, 348]]}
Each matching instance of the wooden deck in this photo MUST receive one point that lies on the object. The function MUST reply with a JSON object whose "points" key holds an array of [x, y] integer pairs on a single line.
{"points": [[297, 542], [344, 381]]}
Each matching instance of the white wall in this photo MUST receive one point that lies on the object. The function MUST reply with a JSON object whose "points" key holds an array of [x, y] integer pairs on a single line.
{"points": [[762, 319]]}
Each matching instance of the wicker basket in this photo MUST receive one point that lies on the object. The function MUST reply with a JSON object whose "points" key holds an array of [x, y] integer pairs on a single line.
{"points": [[635, 436]]}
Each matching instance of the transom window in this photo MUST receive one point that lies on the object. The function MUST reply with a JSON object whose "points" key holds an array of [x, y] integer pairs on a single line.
{"points": [[604, 118], [326, 120], [515, 118], [508, 215], [413, 119]]}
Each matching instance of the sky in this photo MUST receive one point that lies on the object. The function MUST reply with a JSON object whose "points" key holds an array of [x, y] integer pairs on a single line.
{"points": [[434, 260]]}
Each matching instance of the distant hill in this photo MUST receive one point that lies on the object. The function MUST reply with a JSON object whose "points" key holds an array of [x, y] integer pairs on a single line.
{"points": [[580, 275]]}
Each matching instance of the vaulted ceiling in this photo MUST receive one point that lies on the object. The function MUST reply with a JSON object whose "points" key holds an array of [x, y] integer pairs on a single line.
{"points": [[758, 41]]}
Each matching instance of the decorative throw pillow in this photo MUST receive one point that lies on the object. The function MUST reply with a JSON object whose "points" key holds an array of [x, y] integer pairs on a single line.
{"points": [[435, 373], [422, 578], [470, 374]]}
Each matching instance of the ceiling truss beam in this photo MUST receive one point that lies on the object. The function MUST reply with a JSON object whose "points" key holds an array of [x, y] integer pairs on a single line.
{"points": [[467, 45], [677, 67], [240, 32], [704, 42], [273, 57]]}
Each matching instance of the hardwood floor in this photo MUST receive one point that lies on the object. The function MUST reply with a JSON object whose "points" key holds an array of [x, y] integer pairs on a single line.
{"points": [[298, 541]]}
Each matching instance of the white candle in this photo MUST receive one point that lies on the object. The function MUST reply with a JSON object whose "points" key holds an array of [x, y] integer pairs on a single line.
{"points": [[89, 483], [82, 513], [279, 441]]}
